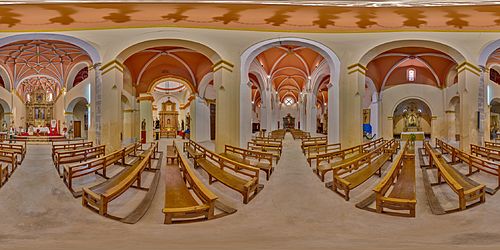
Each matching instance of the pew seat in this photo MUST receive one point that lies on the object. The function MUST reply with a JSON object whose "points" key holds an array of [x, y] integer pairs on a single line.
{"points": [[351, 181], [180, 203], [466, 191], [97, 198], [4, 175], [401, 177]]}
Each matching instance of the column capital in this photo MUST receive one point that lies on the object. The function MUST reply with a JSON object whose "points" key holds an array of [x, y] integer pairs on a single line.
{"points": [[95, 66], [145, 97], [115, 64], [467, 66], [356, 68], [223, 64]]}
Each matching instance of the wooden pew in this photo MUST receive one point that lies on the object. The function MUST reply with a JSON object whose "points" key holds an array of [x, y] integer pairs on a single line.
{"points": [[4, 175], [18, 149], [97, 198], [10, 158], [325, 162], [299, 134], [239, 177], [193, 150], [172, 154], [313, 141], [264, 161], [475, 163], [77, 155], [76, 170], [401, 177], [313, 152], [490, 144], [280, 133], [182, 205], [366, 166], [275, 148], [490, 153], [70, 146], [466, 191]]}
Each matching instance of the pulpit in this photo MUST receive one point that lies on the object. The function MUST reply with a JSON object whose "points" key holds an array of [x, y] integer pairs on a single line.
{"points": [[288, 122], [168, 119]]}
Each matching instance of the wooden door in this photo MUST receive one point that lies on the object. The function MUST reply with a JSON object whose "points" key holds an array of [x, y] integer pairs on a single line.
{"points": [[212, 121], [77, 129]]}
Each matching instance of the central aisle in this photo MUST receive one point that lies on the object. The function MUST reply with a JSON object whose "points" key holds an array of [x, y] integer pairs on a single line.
{"points": [[294, 211]]}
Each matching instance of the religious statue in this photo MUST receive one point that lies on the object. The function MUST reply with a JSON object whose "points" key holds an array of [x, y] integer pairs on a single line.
{"points": [[157, 124], [182, 125], [188, 121], [143, 125]]}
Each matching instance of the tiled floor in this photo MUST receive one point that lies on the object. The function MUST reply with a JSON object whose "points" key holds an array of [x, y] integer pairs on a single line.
{"points": [[294, 211]]}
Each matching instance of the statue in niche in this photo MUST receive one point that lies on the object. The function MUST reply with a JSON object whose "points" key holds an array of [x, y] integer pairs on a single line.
{"points": [[143, 125], [157, 123], [188, 121], [182, 125]]}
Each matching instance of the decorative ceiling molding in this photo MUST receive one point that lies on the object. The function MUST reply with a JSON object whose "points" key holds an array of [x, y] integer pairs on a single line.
{"points": [[276, 16]]}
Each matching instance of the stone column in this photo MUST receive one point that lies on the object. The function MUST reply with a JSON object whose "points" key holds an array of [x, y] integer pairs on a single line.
{"points": [[128, 120], [227, 130], [146, 113], [375, 110], [95, 101], [310, 114], [109, 115], [470, 108], [200, 119], [351, 99], [68, 119], [450, 124]]}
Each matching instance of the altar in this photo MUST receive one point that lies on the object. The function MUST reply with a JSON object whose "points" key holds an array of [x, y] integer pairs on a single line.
{"points": [[419, 135]]}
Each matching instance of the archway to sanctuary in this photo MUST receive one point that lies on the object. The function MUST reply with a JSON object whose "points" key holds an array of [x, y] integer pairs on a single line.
{"points": [[289, 77], [37, 68], [412, 116], [175, 89], [489, 61], [423, 70]]}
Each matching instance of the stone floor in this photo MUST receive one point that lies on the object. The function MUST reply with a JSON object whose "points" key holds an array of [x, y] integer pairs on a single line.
{"points": [[294, 211]]}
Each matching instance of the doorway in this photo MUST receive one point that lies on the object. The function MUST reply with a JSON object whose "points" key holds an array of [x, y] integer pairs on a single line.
{"points": [[212, 121], [77, 129]]}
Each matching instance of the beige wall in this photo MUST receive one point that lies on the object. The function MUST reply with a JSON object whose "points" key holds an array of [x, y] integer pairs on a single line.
{"points": [[228, 45]]}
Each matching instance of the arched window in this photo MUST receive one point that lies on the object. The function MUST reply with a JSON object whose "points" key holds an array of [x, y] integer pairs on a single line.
{"points": [[411, 75]]}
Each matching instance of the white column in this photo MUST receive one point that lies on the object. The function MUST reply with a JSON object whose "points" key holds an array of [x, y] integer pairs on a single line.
{"points": [[146, 113], [374, 114]]}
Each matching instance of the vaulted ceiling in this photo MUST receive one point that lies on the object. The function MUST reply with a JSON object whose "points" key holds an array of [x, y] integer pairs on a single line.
{"points": [[49, 58], [289, 68], [494, 58], [325, 16], [149, 66], [432, 67]]}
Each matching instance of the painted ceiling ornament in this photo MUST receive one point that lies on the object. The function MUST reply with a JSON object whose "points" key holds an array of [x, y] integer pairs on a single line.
{"points": [[38, 84], [54, 59]]}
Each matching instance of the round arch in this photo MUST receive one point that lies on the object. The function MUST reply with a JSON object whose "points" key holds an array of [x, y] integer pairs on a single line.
{"points": [[487, 50], [213, 56], [87, 47], [71, 105], [375, 51], [6, 78], [72, 74], [406, 98], [253, 51], [174, 79], [5, 106]]}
